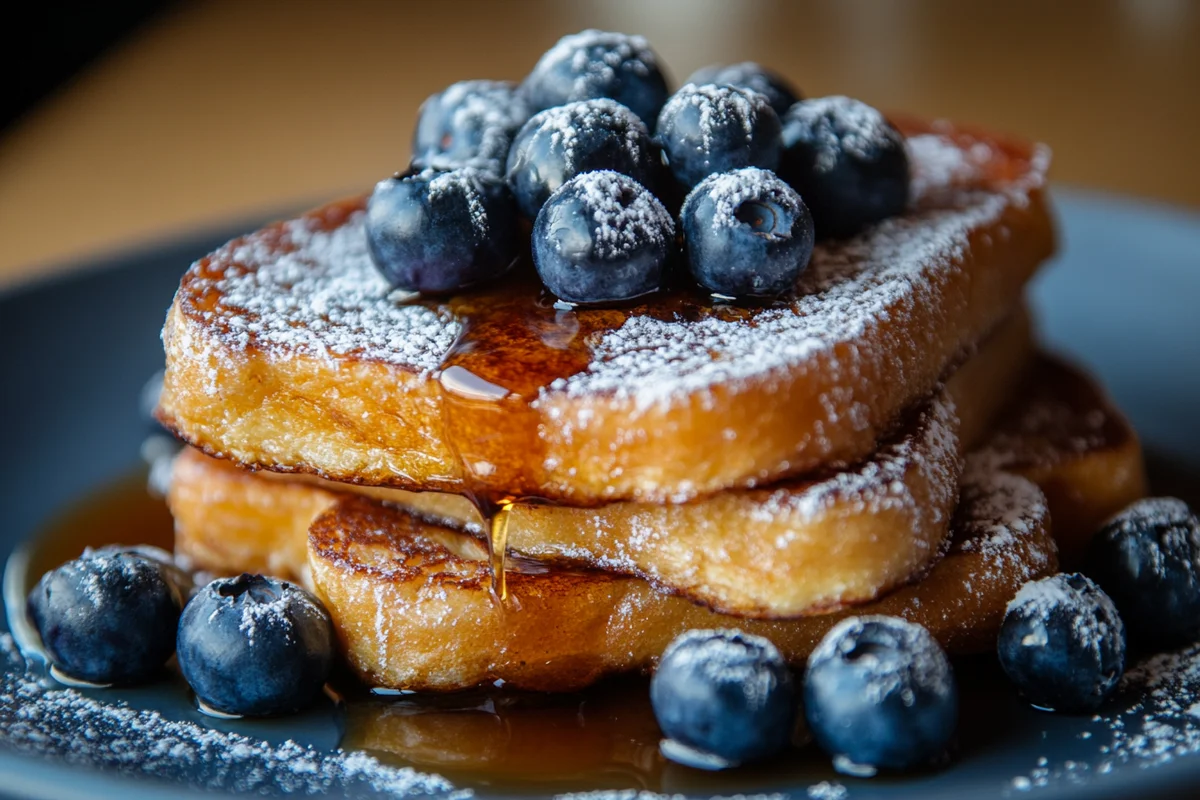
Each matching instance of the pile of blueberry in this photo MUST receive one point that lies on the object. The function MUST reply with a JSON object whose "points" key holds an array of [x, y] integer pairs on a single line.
{"points": [[879, 693], [248, 646], [732, 176]]}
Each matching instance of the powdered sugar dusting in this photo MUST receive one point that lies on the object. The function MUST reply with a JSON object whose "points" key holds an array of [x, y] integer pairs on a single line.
{"points": [[925, 455], [627, 218], [490, 111], [727, 657], [64, 725], [880, 483], [565, 125], [305, 291], [723, 108], [463, 183], [596, 59], [1177, 527], [642, 794], [997, 510], [838, 124], [906, 656], [1151, 722], [104, 570], [1037, 601], [827, 790], [298, 289], [729, 190]]}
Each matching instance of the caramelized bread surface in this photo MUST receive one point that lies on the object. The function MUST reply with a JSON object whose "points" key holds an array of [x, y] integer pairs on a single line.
{"points": [[413, 609], [802, 547], [1063, 432], [286, 351], [794, 548], [797, 547]]}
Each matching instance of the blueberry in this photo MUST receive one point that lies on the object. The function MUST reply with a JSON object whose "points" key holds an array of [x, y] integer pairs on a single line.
{"points": [[747, 233], [1062, 643], [879, 692], [593, 64], [107, 617], [602, 237], [255, 646], [559, 143], [1147, 558], [847, 162], [722, 698], [707, 129], [748, 75], [179, 577], [440, 231], [470, 123]]}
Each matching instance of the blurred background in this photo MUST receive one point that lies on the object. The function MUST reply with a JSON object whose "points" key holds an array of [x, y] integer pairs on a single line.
{"points": [[131, 122]]}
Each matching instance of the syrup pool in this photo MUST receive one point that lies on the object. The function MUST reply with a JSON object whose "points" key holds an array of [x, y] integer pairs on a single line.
{"points": [[498, 741], [490, 740]]}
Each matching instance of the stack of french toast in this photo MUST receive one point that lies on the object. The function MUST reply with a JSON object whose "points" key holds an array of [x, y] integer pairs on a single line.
{"points": [[491, 488]]}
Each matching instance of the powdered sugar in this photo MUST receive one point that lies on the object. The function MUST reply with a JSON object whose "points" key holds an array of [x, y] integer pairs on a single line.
{"points": [[1094, 617], [490, 111], [320, 297], [997, 509], [462, 183], [836, 124], [1178, 528], [720, 108], [626, 217], [827, 790], [268, 607], [880, 482], [641, 794], [566, 125], [729, 190], [727, 657], [846, 290], [596, 59], [1151, 722], [891, 655], [43, 720]]}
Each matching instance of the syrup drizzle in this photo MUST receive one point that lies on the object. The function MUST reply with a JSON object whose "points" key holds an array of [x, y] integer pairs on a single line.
{"points": [[515, 341]]}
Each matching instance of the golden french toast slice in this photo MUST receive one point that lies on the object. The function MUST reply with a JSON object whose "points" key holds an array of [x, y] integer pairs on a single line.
{"points": [[800, 547], [1063, 432], [286, 351], [413, 609], [792, 548]]}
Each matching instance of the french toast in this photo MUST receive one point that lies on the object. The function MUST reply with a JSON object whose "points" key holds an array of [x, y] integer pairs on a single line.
{"points": [[800, 547], [797, 547], [413, 609], [1064, 433], [286, 351]]}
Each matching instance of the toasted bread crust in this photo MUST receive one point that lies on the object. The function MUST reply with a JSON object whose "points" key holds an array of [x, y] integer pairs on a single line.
{"points": [[413, 610], [731, 399], [1063, 432], [794, 548], [801, 547]]}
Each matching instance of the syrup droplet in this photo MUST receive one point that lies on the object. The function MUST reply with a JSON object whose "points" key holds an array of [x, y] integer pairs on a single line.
{"points": [[515, 340], [497, 547]]}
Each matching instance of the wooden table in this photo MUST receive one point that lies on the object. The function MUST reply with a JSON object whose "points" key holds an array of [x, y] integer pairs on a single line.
{"points": [[231, 109]]}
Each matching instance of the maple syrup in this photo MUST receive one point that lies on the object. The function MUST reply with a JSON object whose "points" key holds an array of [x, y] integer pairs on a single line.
{"points": [[514, 341], [602, 738]]}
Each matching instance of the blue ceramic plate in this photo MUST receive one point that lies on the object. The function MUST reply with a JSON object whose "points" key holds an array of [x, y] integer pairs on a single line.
{"points": [[76, 351]]}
